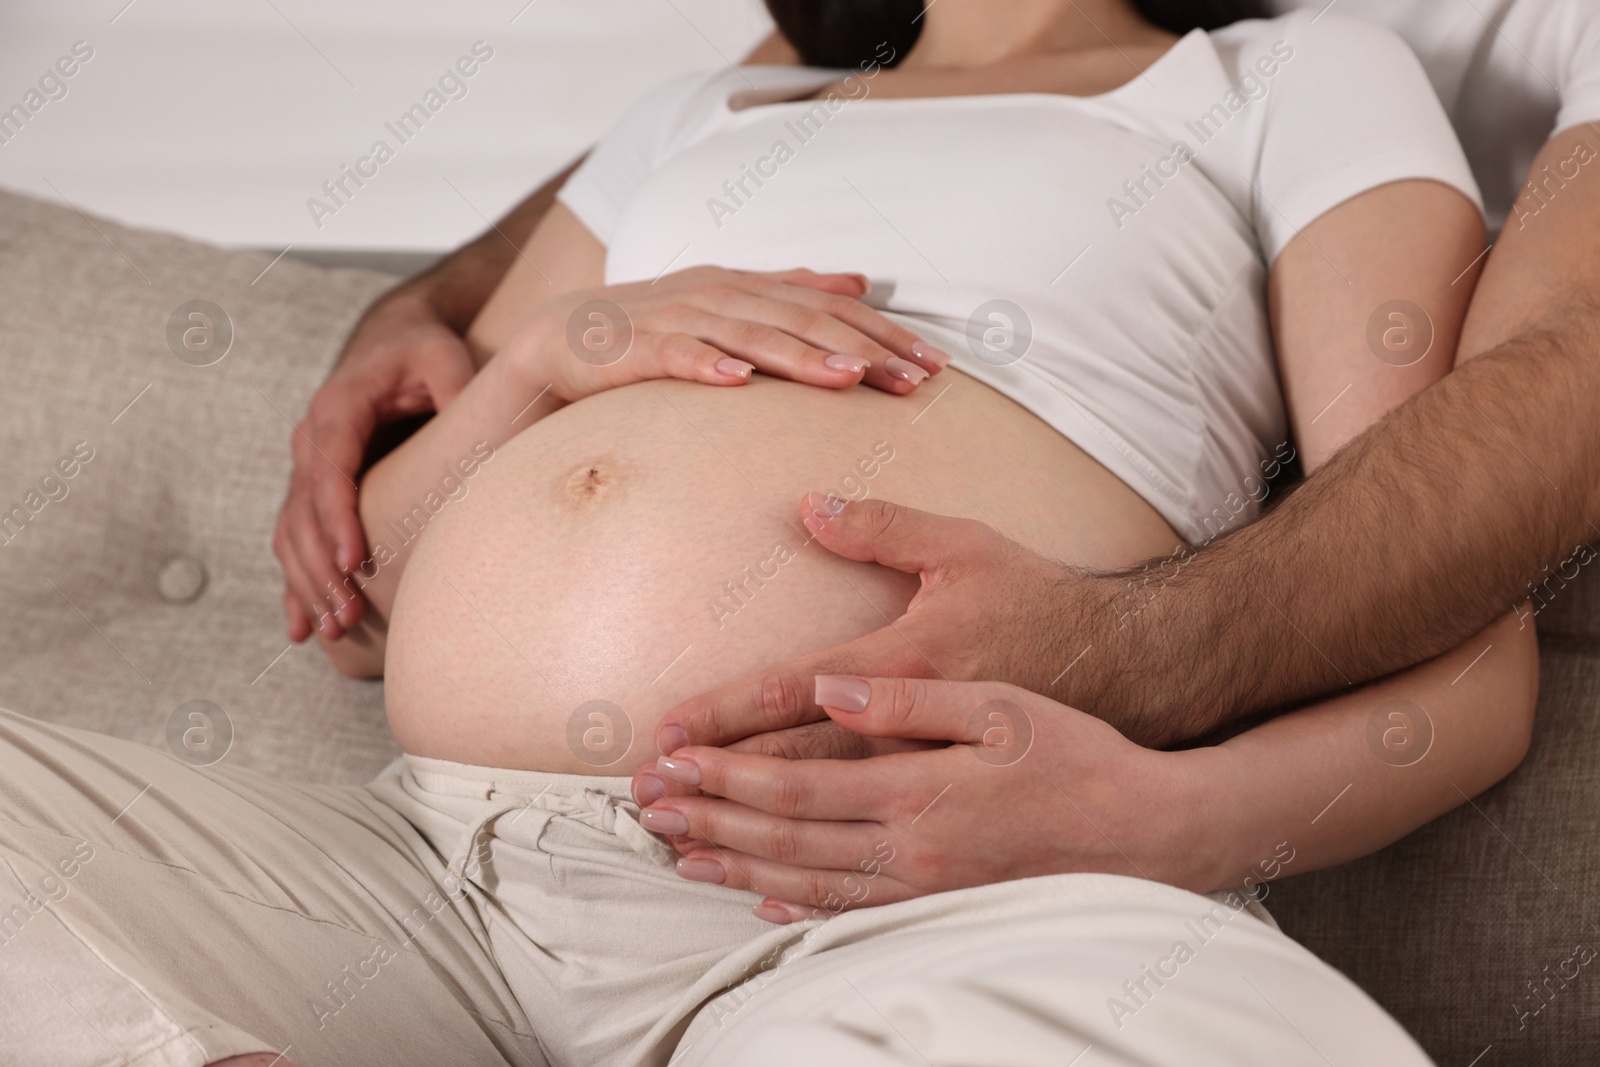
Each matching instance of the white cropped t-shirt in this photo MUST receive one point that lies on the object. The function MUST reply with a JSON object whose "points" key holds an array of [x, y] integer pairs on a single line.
{"points": [[1101, 260]]}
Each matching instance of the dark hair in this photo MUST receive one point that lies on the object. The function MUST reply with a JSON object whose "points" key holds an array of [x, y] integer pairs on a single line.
{"points": [[853, 33], [1181, 16]]}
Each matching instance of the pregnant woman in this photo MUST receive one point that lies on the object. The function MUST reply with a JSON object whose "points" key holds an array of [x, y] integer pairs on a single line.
{"points": [[1065, 273]]}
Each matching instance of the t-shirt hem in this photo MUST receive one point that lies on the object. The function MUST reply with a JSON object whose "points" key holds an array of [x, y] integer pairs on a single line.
{"points": [[1077, 423], [593, 208], [1357, 178], [1576, 113]]}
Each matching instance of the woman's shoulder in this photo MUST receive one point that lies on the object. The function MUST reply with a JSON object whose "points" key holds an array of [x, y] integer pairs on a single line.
{"points": [[1336, 106], [667, 116], [1331, 47], [674, 115], [681, 99]]}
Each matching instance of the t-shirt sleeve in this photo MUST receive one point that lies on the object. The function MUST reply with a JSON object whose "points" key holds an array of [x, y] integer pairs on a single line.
{"points": [[599, 190], [1580, 76], [1353, 110]]}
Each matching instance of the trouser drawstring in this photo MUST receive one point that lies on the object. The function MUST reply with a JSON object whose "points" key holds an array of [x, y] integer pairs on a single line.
{"points": [[611, 814]]}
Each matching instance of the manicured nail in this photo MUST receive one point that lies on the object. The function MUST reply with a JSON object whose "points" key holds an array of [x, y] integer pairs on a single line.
{"points": [[853, 364], [701, 870], [649, 789], [678, 770], [905, 370], [736, 367], [664, 821], [342, 559], [773, 914], [818, 514], [929, 354], [824, 506], [671, 738], [842, 692]]}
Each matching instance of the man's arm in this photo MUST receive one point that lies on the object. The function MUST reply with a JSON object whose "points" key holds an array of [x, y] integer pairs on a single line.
{"points": [[1038, 788], [459, 285], [1426, 528], [406, 356]]}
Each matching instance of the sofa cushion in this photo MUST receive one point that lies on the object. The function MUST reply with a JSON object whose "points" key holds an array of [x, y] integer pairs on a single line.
{"points": [[146, 580], [1477, 931], [1565, 602]]}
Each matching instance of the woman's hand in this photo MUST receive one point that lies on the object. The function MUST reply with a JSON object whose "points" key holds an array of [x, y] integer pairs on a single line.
{"points": [[717, 326], [1028, 787]]}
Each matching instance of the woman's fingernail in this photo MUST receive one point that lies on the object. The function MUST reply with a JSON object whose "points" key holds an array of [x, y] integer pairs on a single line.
{"points": [[821, 509], [824, 506], [649, 789], [678, 770], [701, 870], [671, 738], [773, 914], [736, 367], [842, 692], [853, 364], [905, 370], [664, 821], [929, 354]]}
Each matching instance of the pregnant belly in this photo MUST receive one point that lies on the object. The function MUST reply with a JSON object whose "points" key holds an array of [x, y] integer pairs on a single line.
{"points": [[644, 545]]}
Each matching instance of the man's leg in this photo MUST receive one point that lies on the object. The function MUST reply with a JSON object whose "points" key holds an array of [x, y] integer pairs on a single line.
{"points": [[1086, 970], [156, 914]]}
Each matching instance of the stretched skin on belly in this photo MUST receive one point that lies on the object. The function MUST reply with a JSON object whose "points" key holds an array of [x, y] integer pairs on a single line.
{"points": [[644, 545]]}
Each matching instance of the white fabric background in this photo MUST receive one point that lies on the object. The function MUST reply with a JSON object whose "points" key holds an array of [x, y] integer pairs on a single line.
{"points": [[218, 120]]}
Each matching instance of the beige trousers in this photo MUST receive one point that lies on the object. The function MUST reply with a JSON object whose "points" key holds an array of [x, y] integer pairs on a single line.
{"points": [[157, 915]]}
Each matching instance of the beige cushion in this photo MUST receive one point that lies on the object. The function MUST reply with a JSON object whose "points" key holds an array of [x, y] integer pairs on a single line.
{"points": [[193, 472], [1448, 928], [1570, 608]]}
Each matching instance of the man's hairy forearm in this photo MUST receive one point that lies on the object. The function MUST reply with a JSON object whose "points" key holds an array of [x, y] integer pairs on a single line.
{"points": [[458, 286], [1416, 536], [1423, 530]]}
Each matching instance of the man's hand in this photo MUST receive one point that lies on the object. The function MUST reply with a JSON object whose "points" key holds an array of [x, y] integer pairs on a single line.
{"points": [[403, 359], [988, 609], [819, 836]]}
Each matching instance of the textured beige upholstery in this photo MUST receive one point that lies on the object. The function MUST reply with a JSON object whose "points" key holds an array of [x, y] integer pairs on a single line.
{"points": [[1471, 930], [1446, 929], [193, 471]]}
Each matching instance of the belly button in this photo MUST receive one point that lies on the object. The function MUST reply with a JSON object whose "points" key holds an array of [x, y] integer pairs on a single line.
{"points": [[589, 480]]}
